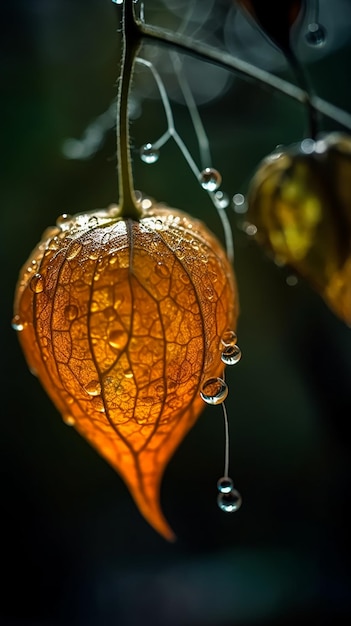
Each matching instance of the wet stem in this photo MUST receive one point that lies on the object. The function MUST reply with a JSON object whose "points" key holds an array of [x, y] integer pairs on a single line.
{"points": [[131, 44]]}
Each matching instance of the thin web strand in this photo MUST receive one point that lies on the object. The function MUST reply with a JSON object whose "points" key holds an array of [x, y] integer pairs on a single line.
{"points": [[228, 237], [226, 442], [201, 135]]}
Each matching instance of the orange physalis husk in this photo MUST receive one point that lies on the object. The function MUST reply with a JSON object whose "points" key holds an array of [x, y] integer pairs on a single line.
{"points": [[300, 202], [122, 320]]}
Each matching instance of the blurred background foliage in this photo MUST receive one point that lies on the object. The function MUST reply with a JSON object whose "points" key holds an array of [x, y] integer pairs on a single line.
{"points": [[75, 550]]}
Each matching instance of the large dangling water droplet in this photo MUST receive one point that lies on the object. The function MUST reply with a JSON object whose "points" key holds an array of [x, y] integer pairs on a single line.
{"points": [[229, 502], [231, 355], [225, 484], [214, 391], [210, 179], [316, 35], [229, 338], [148, 154], [37, 283]]}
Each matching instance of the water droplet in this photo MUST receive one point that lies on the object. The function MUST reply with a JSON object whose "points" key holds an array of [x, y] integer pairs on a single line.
{"points": [[73, 250], [93, 222], [117, 339], [128, 374], [229, 502], [249, 229], [225, 484], [231, 355], [160, 389], [214, 391], [208, 292], [110, 313], [210, 179], [117, 1], [37, 283], [162, 270], [63, 221], [229, 338], [94, 255], [17, 323], [98, 404], [93, 388], [158, 224], [222, 199], [316, 35], [307, 145], [239, 203], [292, 280], [146, 204], [68, 419], [320, 146], [70, 312], [54, 243], [148, 154]]}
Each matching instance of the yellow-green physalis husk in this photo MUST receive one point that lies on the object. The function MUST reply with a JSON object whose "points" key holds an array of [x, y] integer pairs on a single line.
{"points": [[300, 202]]}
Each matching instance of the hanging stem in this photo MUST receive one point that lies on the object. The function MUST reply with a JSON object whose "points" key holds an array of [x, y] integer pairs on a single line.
{"points": [[131, 42]]}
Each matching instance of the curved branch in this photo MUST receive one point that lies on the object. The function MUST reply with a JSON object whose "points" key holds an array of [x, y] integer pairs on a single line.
{"points": [[245, 70]]}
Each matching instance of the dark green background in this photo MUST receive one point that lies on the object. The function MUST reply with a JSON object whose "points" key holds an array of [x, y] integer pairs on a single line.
{"points": [[74, 549]]}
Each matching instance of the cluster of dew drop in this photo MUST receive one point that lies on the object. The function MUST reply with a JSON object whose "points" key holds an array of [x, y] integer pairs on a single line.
{"points": [[67, 227], [214, 391], [209, 178]]}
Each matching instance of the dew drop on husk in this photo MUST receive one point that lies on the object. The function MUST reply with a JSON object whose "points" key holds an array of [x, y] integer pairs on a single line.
{"points": [[17, 323], [37, 283]]}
